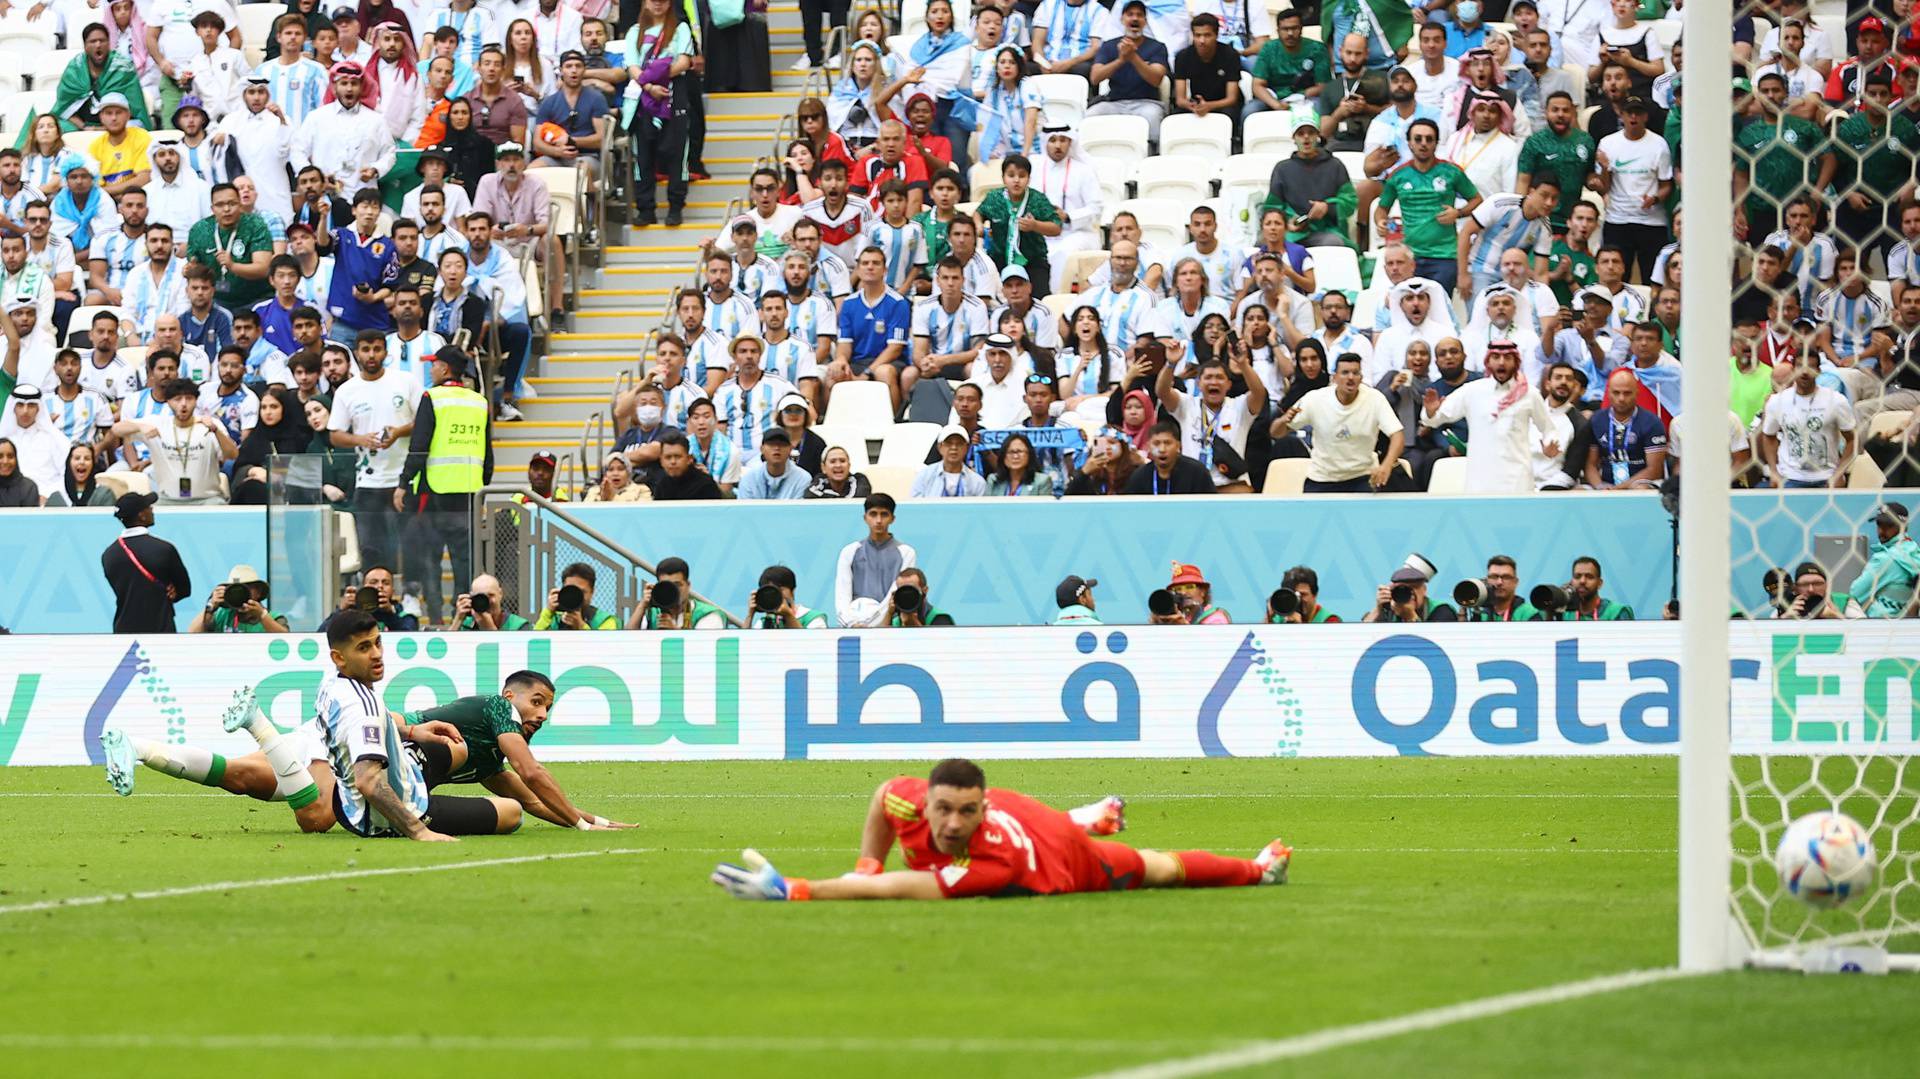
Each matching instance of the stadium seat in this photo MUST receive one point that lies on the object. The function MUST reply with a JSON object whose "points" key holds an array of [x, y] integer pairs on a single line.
{"points": [[1366, 306], [1209, 137], [1080, 266], [1865, 475], [1888, 424], [866, 407], [1286, 476], [1180, 178], [1116, 138], [1249, 168], [347, 542], [45, 70], [1586, 115], [256, 29], [983, 179], [1063, 303], [1162, 221], [1578, 76], [1336, 266], [1355, 161], [1449, 476], [895, 481], [82, 316], [1668, 32], [135, 355], [78, 141], [1063, 97], [14, 113], [1113, 187], [20, 42], [849, 439], [905, 445], [1268, 133]]}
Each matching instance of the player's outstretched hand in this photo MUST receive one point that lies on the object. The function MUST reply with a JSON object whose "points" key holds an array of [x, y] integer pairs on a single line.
{"points": [[755, 880], [438, 730]]}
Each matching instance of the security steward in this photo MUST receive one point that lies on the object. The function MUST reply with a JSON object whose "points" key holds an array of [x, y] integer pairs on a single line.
{"points": [[448, 461]]}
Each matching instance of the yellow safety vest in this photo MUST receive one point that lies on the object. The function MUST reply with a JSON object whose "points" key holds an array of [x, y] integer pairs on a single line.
{"points": [[456, 459]]}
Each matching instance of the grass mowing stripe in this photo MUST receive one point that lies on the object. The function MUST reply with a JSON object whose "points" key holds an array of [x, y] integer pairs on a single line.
{"points": [[308, 878], [1359, 1033], [625, 1043]]}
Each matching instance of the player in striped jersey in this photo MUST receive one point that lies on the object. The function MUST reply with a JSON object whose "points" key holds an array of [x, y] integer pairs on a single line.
{"points": [[1220, 260], [81, 415], [1504, 222], [295, 84], [728, 313], [899, 238], [745, 403], [948, 326], [787, 357]]}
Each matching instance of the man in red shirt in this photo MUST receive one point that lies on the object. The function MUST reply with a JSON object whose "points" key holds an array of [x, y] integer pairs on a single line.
{"points": [[1847, 79], [961, 839], [889, 160]]}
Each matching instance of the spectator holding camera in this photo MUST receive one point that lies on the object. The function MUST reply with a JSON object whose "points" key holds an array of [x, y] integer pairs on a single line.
{"points": [[863, 582], [238, 607], [1404, 598], [570, 606], [1074, 596], [910, 606], [773, 606], [1304, 608], [1813, 598], [1583, 601], [374, 595], [483, 607], [1195, 597], [668, 602]]}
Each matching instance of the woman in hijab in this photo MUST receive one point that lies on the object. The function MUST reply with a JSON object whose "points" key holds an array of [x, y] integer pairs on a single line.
{"points": [[283, 431], [1134, 414], [1310, 372], [16, 490], [321, 475], [82, 488], [616, 483], [469, 154]]}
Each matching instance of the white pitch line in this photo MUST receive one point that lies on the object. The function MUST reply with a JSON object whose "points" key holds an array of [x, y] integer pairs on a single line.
{"points": [[748, 796], [308, 878], [1321, 1041], [638, 1043]]}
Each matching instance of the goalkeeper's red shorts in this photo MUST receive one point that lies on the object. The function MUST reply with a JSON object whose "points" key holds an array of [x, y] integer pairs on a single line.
{"points": [[1114, 867]]}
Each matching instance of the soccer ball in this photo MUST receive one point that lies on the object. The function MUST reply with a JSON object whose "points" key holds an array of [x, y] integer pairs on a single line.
{"points": [[1825, 860]]}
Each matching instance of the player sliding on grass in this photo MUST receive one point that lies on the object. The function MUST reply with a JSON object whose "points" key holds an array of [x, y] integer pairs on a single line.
{"points": [[962, 839]]}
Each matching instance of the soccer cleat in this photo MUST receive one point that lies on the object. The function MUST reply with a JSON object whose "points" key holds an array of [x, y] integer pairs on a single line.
{"points": [[239, 711], [1106, 817], [121, 763], [1273, 862], [755, 880]]}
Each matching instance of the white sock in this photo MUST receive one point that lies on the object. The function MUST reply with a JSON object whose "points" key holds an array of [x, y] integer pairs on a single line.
{"points": [[291, 779], [182, 762], [262, 728], [1088, 815]]}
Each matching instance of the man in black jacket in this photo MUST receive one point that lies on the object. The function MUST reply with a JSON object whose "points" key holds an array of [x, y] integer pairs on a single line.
{"points": [[680, 478], [1168, 471], [144, 571]]}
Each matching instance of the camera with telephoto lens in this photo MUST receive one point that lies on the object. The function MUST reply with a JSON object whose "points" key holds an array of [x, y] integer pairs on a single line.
{"points": [[571, 599], [366, 598], [480, 604], [1472, 592], [665, 596], [235, 596], [767, 599], [1284, 601], [1551, 599], [1162, 602], [907, 598], [1400, 593]]}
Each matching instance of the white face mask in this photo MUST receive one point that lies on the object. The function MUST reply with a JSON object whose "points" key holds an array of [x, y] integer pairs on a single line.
{"points": [[649, 415]]}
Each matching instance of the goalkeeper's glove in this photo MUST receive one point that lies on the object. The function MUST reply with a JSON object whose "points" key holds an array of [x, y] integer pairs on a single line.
{"points": [[757, 879]]}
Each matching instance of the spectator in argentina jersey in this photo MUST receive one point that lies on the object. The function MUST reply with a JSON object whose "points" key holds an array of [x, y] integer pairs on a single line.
{"points": [[15, 192], [1126, 310], [155, 286], [296, 83], [1903, 259], [266, 365], [1426, 189], [899, 237], [813, 318], [1846, 344], [102, 369], [1063, 39], [787, 356], [745, 403], [707, 360], [1220, 260], [826, 273], [729, 313], [79, 414], [226, 397], [948, 326], [116, 251], [493, 750], [753, 273], [411, 343], [842, 221], [1503, 223], [357, 299], [963, 243], [1810, 255], [203, 323], [874, 326]]}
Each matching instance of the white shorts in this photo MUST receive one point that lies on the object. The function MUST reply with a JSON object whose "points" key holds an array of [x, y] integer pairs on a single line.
{"points": [[313, 745]]}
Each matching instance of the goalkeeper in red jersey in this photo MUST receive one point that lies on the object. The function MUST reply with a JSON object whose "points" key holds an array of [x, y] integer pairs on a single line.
{"points": [[961, 839]]}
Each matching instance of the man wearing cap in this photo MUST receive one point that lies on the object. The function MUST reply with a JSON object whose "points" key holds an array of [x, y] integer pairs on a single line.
{"points": [[1133, 66], [144, 571], [775, 475], [1074, 598], [251, 617], [580, 111], [745, 403], [1418, 606], [1886, 584], [433, 165], [540, 470], [1636, 176], [519, 205], [949, 476], [1313, 188], [1847, 80], [449, 458], [348, 142]]}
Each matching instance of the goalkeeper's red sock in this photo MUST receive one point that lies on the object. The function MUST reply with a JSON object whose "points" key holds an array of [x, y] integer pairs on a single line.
{"points": [[1202, 869]]}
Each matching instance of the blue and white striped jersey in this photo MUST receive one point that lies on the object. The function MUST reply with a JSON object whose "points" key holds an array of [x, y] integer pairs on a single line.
{"points": [[80, 419], [1852, 319], [905, 247], [950, 332], [1069, 27], [748, 413], [120, 252], [358, 727], [791, 359], [477, 29], [1814, 265], [1124, 315], [811, 319], [704, 353], [1504, 226], [732, 317], [297, 87]]}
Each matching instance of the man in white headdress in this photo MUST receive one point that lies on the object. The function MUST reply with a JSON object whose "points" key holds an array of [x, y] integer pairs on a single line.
{"points": [[42, 448], [1503, 414], [1496, 318], [1396, 263], [1536, 307], [1071, 181], [261, 134], [1418, 306], [1484, 151]]}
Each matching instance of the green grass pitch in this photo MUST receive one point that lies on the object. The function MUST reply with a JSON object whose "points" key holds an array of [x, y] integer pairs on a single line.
{"points": [[1417, 883]]}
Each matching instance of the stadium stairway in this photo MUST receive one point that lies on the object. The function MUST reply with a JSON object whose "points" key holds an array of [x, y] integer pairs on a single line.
{"points": [[623, 300]]}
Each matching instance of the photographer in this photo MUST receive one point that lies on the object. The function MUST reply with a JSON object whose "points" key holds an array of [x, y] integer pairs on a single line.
{"points": [[1404, 599], [773, 606], [1583, 600], [570, 606], [1304, 584], [864, 579], [238, 607], [668, 602], [1499, 600], [1812, 598], [1193, 596], [374, 595], [483, 607], [910, 606], [1074, 596]]}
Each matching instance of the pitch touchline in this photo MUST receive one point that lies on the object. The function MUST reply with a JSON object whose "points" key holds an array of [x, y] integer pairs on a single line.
{"points": [[579, 1043], [1320, 1041], [857, 796]]}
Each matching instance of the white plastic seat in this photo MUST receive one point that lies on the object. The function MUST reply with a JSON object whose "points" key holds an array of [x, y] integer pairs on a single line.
{"points": [[866, 407], [1209, 136], [256, 29], [1249, 167], [1117, 138], [905, 445], [847, 438], [22, 41], [1063, 97], [895, 481], [1268, 133], [82, 318], [1286, 476], [1180, 178], [16, 109], [1336, 267], [1162, 221], [1356, 163], [983, 178], [46, 68], [1449, 476]]}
